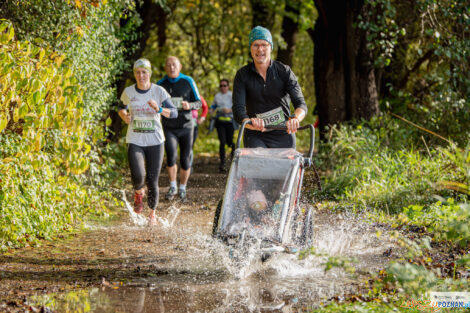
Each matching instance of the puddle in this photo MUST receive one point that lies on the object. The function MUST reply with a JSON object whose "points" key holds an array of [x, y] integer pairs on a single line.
{"points": [[189, 271], [176, 294]]}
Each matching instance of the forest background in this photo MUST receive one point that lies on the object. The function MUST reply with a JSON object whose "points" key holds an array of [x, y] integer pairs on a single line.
{"points": [[388, 80]]}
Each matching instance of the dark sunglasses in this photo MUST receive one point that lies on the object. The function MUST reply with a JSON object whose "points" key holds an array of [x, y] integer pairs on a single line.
{"points": [[223, 85]]}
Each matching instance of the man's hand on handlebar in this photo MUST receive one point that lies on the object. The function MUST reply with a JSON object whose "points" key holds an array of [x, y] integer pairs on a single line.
{"points": [[256, 124], [292, 125]]}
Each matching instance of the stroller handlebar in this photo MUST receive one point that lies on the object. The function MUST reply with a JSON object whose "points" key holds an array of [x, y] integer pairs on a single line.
{"points": [[308, 126]]}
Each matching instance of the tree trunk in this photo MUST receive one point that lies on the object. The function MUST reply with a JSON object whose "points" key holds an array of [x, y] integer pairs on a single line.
{"points": [[262, 14], [364, 101], [329, 63], [290, 29], [345, 85]]}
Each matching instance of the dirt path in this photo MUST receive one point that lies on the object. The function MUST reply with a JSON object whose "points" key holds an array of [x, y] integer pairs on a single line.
{"points": [[122, 253], [110, 253]]}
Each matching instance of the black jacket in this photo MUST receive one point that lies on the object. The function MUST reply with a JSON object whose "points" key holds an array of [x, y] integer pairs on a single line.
{"points": [[252, 95], [182, 86]]}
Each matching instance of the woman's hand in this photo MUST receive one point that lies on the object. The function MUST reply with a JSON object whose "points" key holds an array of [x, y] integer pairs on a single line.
{"points": [[125, 116], [153, 105]]}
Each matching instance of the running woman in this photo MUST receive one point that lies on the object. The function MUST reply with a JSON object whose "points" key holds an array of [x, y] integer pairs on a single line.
{"points": [[142, 105]]}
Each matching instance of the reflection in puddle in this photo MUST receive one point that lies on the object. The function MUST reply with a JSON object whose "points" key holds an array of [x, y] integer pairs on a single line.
{"points": [[172, 296], [200, 276]]}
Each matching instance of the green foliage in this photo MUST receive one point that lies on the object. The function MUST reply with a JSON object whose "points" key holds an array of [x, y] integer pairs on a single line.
{"points": [[402, 286], [423, 44], [43, 103], [87, 35], [380, 167], [56, 83], [210, 38], [383, 31], [372, 167], [445, 221]]}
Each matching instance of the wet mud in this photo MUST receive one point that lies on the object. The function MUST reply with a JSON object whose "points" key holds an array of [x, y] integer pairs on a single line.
{"points": [[177, 266]]}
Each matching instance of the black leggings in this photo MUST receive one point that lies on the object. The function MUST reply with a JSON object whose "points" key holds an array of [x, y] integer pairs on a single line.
{"points": [[225, 132], [146, 164], [195, 133], [183, 137]]}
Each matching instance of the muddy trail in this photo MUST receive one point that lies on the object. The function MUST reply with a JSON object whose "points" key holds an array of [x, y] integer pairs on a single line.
{"points": [[126, 266]]}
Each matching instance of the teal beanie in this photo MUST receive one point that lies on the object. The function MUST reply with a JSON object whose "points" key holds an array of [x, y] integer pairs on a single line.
{"points": [[260, 32]]}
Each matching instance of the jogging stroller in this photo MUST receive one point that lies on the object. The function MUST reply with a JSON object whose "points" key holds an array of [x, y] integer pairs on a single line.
{"points": [[261, 200]]}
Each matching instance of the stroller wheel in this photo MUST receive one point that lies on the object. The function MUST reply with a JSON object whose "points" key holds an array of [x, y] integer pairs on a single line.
{"points": [[216, 218], [307, 231]]}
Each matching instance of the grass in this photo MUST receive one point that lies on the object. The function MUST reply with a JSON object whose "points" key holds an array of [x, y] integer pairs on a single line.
{"points": [[390, 174]]}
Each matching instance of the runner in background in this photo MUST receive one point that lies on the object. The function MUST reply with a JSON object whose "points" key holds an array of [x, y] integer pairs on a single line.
{"points": [[222, 107], [179, 131]]}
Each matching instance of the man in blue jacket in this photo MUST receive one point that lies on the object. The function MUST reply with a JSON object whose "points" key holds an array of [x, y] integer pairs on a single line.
{"points": [[262, 92], [179, 131]]}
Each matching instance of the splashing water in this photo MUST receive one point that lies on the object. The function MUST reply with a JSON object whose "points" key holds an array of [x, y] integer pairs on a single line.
{"points": [[140, 220], [137, 219], [169, 221]]}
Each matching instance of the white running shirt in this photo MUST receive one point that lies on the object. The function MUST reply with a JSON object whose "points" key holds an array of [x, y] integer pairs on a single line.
{"points": [[145, 128]]}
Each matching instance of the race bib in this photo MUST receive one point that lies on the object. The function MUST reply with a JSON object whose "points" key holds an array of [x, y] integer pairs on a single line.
{"points": [[273, 117], [177, 102], [144, 125]]}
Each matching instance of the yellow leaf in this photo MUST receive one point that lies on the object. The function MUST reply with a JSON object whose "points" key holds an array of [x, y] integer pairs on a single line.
{"points": [[11, 34], [67, 72], [3, 123], [36, 164], [78, 4], [16, 115], [87, 149], [41, 54], [38, 142], [79, 31]]}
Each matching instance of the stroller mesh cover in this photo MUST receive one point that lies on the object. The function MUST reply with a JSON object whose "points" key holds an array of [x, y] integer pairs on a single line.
{"points": [[270, 175]]}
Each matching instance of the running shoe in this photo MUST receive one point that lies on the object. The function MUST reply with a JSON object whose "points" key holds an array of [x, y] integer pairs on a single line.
{"points": [[182, 195], [171, 193], [138, 202]]}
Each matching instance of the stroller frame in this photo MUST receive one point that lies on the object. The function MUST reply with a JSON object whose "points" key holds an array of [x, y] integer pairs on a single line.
{"points": [[281, 172]]}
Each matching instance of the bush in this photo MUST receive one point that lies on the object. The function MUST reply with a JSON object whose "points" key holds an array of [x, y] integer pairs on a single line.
{"points": [[371, 166], [57, 88]]}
